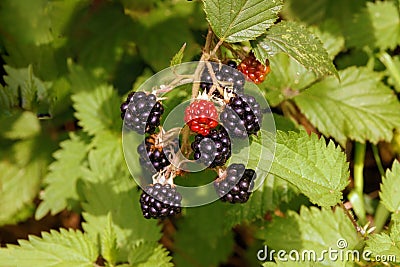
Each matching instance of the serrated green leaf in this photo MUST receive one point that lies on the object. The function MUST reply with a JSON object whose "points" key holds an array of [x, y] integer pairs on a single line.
{"points": [[21, 168], [20, 126], [237, 21], [286, 79], [177, 59], [197, 236], [109, 249], [28, 92], [378, 25], [149, 254], [360, 107], [386, 244], [312, 229], [98, 110], [54, 249], [64, 173], [318, 170], [296, 41], [331, 37], [116, 194], [390, 193], [269, 196]]}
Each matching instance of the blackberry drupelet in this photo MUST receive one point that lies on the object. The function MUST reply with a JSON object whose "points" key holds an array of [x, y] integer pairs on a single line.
{"points": [[234, 188], [242, 116], [160, 201], [213, 149], [226, 74], [142, 112], [152, 156]]}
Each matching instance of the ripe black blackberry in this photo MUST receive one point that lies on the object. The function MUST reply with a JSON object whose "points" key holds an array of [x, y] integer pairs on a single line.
{"points": [[226, 75], [213, 149], [242, 116], [234, 188], [160, 201], [152, 156], [142, 112]]}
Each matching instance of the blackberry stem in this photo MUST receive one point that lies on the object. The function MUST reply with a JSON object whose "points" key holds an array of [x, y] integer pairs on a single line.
{"points": [[204, 57], [214, 80], [240, 54]]}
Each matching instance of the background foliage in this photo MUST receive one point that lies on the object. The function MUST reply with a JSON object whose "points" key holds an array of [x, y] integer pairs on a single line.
{"points": [[334, 90]]}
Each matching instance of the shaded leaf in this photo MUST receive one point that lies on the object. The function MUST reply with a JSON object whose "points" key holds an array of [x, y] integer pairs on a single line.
{"points": [[312, 229], [64, 173]]}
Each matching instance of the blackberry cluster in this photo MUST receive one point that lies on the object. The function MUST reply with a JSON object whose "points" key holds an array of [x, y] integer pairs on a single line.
{"points": [[242, 117], [234, 188], [151, 156], [142, 112], [229, 78], [213, 149], [160, 201]]}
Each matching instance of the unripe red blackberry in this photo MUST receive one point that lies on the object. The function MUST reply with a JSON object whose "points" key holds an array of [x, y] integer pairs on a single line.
{"points": [[254, 69], [201, 116], [141, 112], [160, 201], [235, 187]]}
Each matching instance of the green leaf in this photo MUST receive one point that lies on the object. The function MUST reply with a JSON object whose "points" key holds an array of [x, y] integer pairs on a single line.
{"points": [[98, 44], [312, 229], [116, 194], [237, 21], [203, 229], [109, 249], [54, 249], [386, 244], [64, 174], [297, 42], [360, 107], [170, 26], [177, 59], [21, 168], [98, 110], [149, 254], [27, 91], [286, 79], [20, 126], [390, 194], [268, 197], [318, 170], [330, 35], [26, 21], [378, 25]]}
